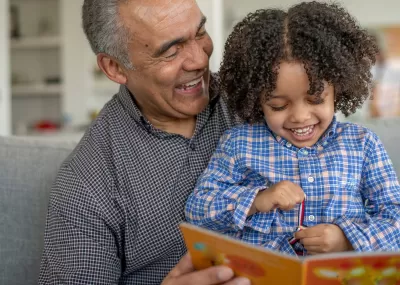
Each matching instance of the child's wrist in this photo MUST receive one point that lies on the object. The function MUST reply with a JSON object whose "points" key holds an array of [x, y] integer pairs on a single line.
{"points": [[349, 245], [253, 209]]}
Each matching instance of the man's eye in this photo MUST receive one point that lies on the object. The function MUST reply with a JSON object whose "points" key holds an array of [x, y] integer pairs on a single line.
{"points": [[278, 108], [171, 55], [201, 33]]}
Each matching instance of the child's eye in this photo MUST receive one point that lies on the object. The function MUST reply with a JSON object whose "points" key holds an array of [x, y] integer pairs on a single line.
{"points": [[317, 101], [278, 108]]}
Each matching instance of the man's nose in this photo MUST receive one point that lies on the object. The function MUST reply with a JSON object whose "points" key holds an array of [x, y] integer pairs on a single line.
{"points": [[197, 58]]}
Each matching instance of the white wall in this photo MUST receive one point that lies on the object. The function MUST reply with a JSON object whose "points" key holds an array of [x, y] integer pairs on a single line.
{"points": [[214, 11], [76, 63], [4, 70]]}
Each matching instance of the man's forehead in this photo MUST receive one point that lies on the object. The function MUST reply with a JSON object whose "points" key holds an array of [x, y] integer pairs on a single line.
{"points": [[159, 13], [154, 22]]}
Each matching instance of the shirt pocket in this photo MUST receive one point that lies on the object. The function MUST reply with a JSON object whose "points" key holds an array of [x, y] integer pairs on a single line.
{"points": [[345, 199]]}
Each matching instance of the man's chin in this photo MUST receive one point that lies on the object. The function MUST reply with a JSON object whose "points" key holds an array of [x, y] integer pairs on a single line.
{"points": [[192, 109]]}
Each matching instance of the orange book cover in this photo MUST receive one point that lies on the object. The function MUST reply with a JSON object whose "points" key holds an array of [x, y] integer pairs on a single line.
{"points": [[263, 266]]}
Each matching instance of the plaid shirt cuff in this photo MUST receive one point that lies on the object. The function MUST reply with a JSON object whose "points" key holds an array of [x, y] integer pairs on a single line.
{"points": [[243, 205], [280, 243], [261, 222], [357, 238]]}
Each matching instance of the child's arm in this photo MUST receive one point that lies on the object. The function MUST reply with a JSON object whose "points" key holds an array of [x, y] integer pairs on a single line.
{"points": [[228, 193], [380, 186], [223, 196]]}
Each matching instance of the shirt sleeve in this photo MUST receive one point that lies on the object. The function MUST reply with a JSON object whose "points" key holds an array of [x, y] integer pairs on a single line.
{"points": [[225, 192], [79, 245], [380, 188]]}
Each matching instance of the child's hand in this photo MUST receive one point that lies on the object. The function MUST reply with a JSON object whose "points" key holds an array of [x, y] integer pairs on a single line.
{"points": [[283, 195], [323, 238]]}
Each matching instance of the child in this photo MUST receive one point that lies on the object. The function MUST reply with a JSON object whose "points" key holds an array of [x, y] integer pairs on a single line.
{"points": [[285, 74]]}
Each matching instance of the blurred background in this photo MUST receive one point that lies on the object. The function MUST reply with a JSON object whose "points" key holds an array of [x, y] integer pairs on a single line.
{"points": [[50, 85]]}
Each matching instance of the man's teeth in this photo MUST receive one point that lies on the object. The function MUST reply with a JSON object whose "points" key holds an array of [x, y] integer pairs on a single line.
{"points": [[192, 83], [303, 131]]}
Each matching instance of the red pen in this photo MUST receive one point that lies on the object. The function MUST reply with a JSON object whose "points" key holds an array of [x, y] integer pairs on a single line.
{"points": [[300, 226]]}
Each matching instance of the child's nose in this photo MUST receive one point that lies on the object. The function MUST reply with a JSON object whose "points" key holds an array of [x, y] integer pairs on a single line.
{"points": [[300, 114]]}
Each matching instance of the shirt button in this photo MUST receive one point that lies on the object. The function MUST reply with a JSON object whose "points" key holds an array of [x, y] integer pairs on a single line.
{"points": [[288, 144], [311, 218], [310, 179], [305, 152]]}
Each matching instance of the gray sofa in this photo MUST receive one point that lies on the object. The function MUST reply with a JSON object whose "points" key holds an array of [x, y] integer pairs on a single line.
{"points": [[27, 170]]}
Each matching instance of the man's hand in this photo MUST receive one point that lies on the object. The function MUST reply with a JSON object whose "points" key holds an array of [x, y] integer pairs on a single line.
{"points": [[323, 238], [283, 195], [184, 274]]}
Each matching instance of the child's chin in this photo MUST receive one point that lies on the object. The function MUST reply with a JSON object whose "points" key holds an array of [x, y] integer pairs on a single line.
{"points": [[302, 144]]}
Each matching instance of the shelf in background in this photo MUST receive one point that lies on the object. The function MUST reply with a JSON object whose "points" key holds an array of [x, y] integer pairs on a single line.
{"points": [[36, 42], [36, 90]]}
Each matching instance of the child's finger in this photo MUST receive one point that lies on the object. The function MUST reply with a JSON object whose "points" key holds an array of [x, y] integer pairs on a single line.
{"points": [[307, 233], [302, 234], [311, 241], [313, 249]]}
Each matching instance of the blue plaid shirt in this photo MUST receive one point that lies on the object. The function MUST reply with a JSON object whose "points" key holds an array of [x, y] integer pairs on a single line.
{"points": [[347, 176]]}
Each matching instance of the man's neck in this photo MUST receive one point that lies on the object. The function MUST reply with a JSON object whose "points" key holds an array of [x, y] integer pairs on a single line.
{"points": [[183, 127]]}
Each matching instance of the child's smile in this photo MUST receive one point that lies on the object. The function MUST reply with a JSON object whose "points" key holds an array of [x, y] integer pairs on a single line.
{"points": [[304, 133]]}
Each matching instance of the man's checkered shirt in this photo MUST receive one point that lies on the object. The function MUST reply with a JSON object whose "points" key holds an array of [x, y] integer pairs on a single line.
{"points": [[118, 199], [347, 177]]}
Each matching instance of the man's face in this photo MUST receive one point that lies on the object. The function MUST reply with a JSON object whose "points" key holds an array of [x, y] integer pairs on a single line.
{"points": [[170, 51]]}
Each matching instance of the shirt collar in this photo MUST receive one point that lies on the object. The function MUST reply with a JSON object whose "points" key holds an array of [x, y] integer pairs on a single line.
{"points": [[330, 133], [324, 140]]}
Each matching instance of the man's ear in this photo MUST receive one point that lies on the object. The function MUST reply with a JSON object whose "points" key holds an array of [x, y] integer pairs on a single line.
{"points": [[111, 68]]}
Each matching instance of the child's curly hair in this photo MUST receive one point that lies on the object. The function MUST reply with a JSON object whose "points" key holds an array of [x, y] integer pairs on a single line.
{"points": [[324, 37]]}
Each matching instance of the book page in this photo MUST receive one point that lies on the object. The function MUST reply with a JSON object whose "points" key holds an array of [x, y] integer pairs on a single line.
{"points": [[261, 266], [354, 268]]}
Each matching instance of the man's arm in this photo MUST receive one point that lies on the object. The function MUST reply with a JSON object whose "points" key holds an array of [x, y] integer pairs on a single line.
{"points": [[79, 245], [380, 187]]}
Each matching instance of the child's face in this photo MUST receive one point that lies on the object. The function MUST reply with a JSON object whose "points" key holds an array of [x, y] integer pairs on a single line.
{"points": [[293, 114]]}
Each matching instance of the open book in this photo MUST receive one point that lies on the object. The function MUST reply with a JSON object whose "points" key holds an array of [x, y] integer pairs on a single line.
{"points": [[265, 267]]}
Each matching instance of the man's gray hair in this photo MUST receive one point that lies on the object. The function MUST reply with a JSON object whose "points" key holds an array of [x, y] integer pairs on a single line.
{"points": [[105, 30]]}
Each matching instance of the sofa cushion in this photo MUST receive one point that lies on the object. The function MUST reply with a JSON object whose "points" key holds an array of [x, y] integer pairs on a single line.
{"points": [[27, 170]]}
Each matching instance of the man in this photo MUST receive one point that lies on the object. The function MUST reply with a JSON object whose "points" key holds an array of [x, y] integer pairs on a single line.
{"points": [[118, 199]]}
